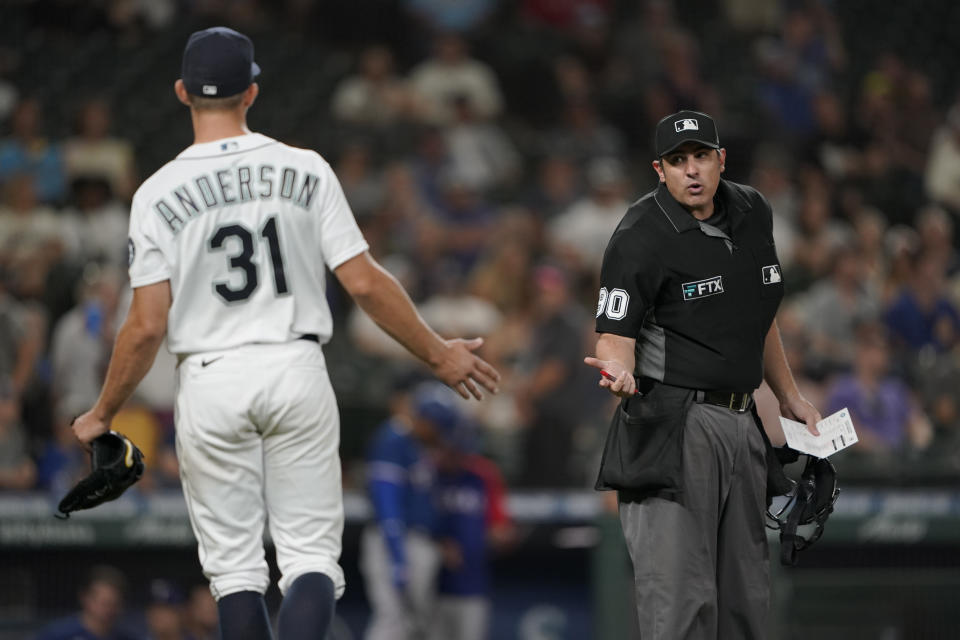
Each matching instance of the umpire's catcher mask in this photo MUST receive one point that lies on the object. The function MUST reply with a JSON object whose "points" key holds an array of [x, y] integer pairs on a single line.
{"points": [[810, 502]]}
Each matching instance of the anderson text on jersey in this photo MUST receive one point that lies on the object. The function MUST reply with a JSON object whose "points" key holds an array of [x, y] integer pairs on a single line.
{"points": [[231, 186]]}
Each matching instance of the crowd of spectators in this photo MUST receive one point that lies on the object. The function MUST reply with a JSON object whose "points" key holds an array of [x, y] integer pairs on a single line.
{"points": [[488, 150], [110, 609]]}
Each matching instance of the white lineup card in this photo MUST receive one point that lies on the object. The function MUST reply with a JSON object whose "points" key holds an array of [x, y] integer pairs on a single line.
{"points": [[836, 433]]}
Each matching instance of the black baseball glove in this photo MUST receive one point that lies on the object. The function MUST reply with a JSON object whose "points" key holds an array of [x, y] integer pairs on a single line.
{"points": [[117, 463]]}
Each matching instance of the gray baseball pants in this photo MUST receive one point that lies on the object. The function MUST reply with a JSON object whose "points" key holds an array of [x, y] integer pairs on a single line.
{"points": [[461, 618], [395, 615], [700, 560]]}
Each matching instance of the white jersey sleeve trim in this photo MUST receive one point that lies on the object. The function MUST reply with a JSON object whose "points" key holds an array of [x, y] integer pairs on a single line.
{"points": [[351, 252], [152, 278]]}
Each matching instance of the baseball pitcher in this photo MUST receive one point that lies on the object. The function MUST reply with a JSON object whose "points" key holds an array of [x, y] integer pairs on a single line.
{"points": [[228, 249]]}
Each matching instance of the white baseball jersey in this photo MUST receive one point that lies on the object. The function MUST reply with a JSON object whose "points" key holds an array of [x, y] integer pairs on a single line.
{"points": [[243, 228]]}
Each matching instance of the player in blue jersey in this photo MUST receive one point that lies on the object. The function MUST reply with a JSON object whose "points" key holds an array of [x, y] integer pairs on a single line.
{"points": [[472, 519], [399, 557]]}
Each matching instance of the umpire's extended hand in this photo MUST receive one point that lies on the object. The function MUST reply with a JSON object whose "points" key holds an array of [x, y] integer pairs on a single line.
{"points": [[462, 370], [620, 382]]}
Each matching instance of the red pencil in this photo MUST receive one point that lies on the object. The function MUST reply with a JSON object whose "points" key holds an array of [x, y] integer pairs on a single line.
{"points": [[609, 376]]}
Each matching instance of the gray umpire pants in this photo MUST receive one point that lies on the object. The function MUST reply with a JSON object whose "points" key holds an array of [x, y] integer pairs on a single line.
{"points": [[700, 560]]}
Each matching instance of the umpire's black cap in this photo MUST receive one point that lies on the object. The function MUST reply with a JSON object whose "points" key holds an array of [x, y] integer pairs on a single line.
{"points": [[685, 126], [218, 63]]}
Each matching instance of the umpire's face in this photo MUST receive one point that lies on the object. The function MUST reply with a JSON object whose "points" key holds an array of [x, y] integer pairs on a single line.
{"points": [[692, 175]]}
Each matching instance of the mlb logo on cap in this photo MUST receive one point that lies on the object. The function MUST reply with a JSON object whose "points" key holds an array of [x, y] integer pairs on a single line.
{"points": [[685, 126]]}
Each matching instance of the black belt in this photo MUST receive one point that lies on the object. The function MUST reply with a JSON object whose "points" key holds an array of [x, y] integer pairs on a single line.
{"points": [[739, 402], [311, 337]]}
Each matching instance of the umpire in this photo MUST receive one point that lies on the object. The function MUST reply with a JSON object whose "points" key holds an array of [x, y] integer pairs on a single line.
{"points": [[690, 286]]}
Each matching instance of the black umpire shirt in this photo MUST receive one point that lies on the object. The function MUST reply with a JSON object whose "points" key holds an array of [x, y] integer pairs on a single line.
{"points": [[698, 299]]}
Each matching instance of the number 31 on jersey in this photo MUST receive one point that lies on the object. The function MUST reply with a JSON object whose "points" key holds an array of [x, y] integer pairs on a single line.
{"points": [[243, 262]]}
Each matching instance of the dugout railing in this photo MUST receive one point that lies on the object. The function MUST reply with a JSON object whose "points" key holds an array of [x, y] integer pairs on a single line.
{"points": [[887, 567]]}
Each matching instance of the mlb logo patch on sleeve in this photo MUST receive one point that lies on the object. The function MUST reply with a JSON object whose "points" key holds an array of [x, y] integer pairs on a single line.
{"points": [[771, 274], [702, 288]]}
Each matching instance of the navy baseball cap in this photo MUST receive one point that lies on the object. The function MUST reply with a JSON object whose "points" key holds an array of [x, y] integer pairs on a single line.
{"points": [[436, 402], [218, 63], [685, 126]]}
